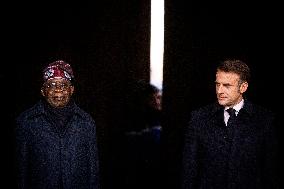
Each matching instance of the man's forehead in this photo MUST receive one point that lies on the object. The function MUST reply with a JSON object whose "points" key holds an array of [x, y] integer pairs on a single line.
{"points": [[227, 77]]}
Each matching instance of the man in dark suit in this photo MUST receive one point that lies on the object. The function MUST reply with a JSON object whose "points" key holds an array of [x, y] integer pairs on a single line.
{"points": [[56, 142], [230, 144]]}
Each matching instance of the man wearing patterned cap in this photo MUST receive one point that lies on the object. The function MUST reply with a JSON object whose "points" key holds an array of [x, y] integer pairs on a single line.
{"points": [[56, 140]]}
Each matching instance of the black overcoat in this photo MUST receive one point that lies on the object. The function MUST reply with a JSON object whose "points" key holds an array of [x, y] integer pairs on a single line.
{"points": [[238, 157], [49, 160]]}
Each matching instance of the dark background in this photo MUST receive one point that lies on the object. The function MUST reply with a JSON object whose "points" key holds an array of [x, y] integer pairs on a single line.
{"points": [[108, 45]]}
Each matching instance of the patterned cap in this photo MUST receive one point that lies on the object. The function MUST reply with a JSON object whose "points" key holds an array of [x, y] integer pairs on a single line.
{"points": [[58, 69]]}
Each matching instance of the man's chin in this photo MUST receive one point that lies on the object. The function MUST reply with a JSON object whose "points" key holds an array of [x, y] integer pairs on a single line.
{"points": [[59, 104], [222, 102]]}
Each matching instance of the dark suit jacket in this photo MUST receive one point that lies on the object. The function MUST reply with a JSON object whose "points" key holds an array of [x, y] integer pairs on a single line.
{"points": [[238, 157]]}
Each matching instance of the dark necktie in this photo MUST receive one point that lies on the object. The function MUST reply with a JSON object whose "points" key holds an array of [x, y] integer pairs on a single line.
{"points": [[232, 117]]}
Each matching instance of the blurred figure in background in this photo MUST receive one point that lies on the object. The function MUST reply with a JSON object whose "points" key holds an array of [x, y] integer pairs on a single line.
{"points": [[143, 138]]}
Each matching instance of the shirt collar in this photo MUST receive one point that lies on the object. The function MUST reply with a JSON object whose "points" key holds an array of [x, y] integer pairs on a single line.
{"points": [[238, 106]]}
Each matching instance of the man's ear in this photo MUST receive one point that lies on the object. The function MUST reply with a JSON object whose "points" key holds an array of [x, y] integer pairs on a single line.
{"points": [[244, 87], [42, 91], [72, 90]]}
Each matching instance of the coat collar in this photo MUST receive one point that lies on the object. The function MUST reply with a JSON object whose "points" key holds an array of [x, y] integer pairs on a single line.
{"points": [[40, 110], [247, 108]]}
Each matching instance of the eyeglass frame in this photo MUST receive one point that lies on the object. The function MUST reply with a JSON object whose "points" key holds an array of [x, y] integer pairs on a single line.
{"points": [[57, 85]]}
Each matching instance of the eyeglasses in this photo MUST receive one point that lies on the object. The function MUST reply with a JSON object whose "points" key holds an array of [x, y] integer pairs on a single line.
{"points": [[57, 85]]}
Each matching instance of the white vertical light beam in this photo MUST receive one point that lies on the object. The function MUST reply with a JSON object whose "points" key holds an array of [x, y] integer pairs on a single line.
{"points": [[157, 43]]}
